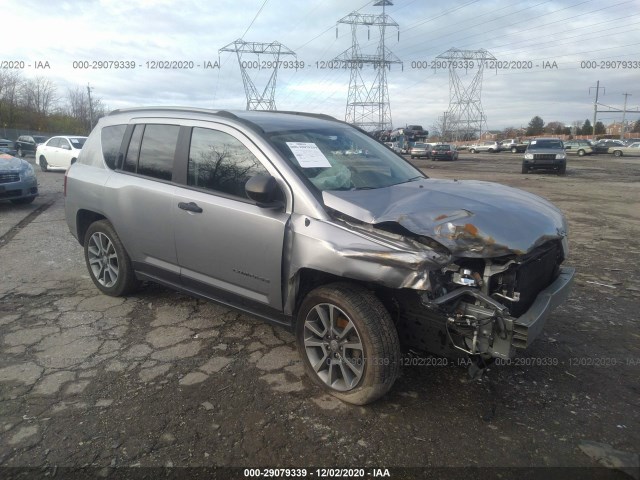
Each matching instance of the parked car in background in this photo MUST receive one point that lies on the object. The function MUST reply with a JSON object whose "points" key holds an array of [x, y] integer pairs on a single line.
{"points": [[444, 152], [490, 147], [545, 154], [59, 152], [629, 141], [632, 150], [420, 150], [17, 180], [579, 147], [6, 146], [26, 144], [513, 145], [359, 256], [603, 146]]}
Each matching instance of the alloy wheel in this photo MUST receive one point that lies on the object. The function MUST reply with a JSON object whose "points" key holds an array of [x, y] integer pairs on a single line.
{"points": [[103, 259]]}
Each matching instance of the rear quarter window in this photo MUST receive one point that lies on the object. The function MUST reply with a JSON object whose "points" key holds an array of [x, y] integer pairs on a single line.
{"points": [[111, 140]]}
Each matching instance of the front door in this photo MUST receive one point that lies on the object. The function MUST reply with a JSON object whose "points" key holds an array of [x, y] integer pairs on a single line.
{"points": [[227, 247]]}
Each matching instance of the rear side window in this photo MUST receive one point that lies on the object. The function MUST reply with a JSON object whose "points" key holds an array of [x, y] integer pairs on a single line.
{"points": [[111, 141], [131, 160], [220, 162], [156, 151]]}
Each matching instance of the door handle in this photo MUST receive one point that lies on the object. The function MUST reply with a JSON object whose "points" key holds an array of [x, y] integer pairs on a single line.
{"points": [[190, 207]]}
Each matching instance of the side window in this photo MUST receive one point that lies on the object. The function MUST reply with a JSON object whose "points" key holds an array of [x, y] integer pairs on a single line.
{"points": [[157, 151], [131, 160], [55, 142], [220, 162], [111, 138], [64, 143]]}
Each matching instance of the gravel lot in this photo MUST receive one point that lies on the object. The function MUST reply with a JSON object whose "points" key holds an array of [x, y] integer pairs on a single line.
{"points": [[162, 379]]}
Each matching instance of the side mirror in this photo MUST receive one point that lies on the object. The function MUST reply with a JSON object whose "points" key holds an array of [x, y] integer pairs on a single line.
{"points": [[264, 190]]}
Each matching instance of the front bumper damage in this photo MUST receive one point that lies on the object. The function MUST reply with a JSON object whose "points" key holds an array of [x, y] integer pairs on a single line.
{"points": [[477, 324]]}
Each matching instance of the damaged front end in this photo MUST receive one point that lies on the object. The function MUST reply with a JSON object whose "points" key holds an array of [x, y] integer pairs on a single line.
{"points": [[490, 306], [503, 273]]}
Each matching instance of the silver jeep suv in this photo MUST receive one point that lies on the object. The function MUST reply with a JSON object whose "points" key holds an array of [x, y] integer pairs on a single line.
{"points": [[309, 223]]}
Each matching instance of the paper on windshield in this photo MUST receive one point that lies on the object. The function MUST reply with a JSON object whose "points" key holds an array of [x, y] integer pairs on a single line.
{"points": [[308, 155]]}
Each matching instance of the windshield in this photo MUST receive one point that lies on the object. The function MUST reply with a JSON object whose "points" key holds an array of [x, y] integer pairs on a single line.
{"points": [[342, 158], [538, 144]]}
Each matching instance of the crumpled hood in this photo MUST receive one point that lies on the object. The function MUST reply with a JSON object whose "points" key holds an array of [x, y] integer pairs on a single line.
{"points": [[7, 162], [471, 218]]}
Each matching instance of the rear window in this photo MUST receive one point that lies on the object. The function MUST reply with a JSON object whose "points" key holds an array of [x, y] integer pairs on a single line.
{"points": [[111, 141]]}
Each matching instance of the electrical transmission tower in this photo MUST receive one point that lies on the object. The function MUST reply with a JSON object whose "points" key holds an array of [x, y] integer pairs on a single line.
{"points": [[465, 115], [266, 99], [368, 106]]}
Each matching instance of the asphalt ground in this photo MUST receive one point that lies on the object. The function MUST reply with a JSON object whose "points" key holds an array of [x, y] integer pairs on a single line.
{"points": [[160, 379]]}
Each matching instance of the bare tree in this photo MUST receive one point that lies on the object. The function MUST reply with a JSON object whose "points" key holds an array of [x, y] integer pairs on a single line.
{"points": [[10, 84], [39, 95]]}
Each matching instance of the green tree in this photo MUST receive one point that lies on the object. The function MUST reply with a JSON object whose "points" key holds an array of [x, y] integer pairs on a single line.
{"points": [[636, 127], [600, 129], [587, 129], [535, 127]]}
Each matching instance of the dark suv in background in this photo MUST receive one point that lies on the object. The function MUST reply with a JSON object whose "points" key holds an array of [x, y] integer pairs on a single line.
{"points": [[28, 144], [545, 154]]}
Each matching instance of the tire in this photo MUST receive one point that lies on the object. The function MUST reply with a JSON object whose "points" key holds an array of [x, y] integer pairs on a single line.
{"points": [[514, 150], [20, 153], [562, 170], [23, 201], [102, 246], [490, 150], [581, 153], [44, 166], [412, 157], [617, 153], [525, 169], [366, 325], [472, 150]]}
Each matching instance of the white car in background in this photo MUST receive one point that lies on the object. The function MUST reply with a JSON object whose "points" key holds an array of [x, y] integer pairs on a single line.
{"points": [[59, 152]]}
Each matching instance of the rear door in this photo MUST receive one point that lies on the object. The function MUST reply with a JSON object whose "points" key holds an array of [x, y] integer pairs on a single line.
{"points": [[140, 197], [228, 248]]}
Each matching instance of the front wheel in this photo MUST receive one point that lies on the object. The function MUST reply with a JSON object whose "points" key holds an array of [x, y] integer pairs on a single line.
{"points": [[44, 166], [107, 260], [581, 153], [514, 150], [617, 153], [348, 343], [472, 151], [525, 169]]}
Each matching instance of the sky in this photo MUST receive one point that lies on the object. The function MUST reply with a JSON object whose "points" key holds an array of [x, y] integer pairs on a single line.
{"points": [[568, 37]]}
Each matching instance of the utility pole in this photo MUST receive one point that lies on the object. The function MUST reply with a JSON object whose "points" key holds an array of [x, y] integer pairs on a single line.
{"points": [[595, 108], [368, 105], [90, 109], [624, 114]]}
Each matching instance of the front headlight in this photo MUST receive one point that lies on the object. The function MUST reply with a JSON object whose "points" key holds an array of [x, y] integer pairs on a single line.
{"points": [[561, 156], [28, 172], [528, 156]]}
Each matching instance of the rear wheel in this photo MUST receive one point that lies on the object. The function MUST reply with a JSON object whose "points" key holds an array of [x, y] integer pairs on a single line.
{"points": [[581, 153], [472, 150], [514, 150], [348, 343], [107, 261], [44, 166], [617, 153], [20, 152]]}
